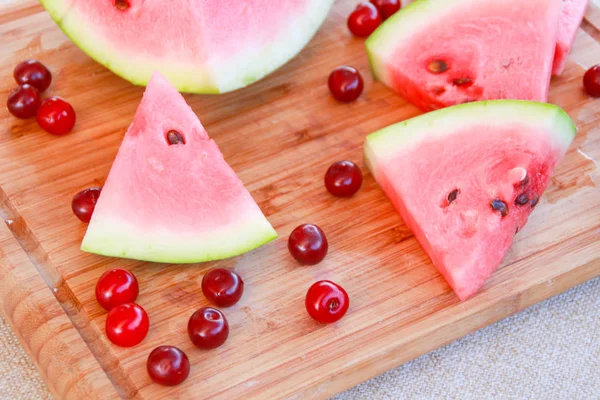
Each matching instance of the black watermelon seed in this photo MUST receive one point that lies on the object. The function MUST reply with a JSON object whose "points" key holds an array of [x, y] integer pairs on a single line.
{"points": [[522, 199], [122, 4], [499, 205], [525, 181], [462, 82], [174, 137], [452, 196], [534, 201], [437, 66]]}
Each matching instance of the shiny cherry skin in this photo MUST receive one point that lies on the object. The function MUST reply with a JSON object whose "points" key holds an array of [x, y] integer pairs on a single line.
{"points": [[84, 202], [33, 73], [345, 84], [386, 8], [308, 244], [116, 287], [222, 287], [127, 325], [208, 328], [591, 81], [56, 116], [24, 101], [168, 366], [343, 179], [326, 302], [364, 19]]}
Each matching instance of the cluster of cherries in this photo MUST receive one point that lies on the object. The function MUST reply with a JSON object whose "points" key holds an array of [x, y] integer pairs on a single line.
{"points": [[53, 114], [325, 301], [346, 83], [369, 15], [127, 323]]}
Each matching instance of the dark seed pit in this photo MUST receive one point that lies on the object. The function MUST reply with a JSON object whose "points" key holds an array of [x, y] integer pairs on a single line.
{"points": [[522, 199], [174, 137], [437, 66], [462, 82], [452, 195], [525, 181], [499, 205], [122, 4], [333, 305], [534, 201]]}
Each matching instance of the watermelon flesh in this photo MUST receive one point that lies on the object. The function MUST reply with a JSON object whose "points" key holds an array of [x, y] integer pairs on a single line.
{"points": [[446, 172], [571, 16], [201, 46], [490, 50], [178, 203]]}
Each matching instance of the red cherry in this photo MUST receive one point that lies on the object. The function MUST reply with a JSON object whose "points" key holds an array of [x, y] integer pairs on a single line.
{"points": [[23, 102], [364, 19], [343, 179], [168, 366], [208, 328], [222, 287], [84, 202], [591, 81], [386, 8], [34, 73], [127, 325], [345, 84], [56, 116], [308, 244], [116, 287], [326, 301]]}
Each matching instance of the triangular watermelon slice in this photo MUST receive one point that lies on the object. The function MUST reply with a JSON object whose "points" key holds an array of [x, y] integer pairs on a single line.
{"points": [[571, 16], [466, 178], [173, 203], [442, 53]]}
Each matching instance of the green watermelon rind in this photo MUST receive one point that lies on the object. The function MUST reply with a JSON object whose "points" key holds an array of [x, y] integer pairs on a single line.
{"points": [[188, 78], [384, 144], [117, 239], [399, 26]]}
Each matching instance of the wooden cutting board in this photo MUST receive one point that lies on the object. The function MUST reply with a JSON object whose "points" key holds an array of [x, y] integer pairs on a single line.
{"points": [[279, 135]]}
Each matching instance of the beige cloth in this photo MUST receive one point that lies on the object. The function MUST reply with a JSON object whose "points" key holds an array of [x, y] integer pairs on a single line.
{"points": [[549, 351]]}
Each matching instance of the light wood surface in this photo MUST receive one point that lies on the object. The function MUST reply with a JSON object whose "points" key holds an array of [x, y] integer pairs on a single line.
{"points": [[279, 135]]}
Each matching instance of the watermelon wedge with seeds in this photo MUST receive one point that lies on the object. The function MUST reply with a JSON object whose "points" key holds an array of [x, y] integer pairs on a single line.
{"points": [[442, 53], [571, 16], [466, 178], [170, 196], [201, 46]]}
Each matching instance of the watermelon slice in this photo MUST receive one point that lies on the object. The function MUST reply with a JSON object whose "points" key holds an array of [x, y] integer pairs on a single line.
{"points": [[442, 53], [466, 178], [201, 46], [179, 203], [571, 16]]}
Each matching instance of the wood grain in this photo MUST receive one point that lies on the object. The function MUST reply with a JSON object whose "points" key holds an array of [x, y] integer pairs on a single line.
{"points": [[56, 347], [279, 135]]}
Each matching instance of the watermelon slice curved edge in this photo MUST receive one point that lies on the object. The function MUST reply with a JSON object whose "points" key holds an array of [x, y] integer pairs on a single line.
{"points": [[179, 203], [466, 178], [201, 46]]}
